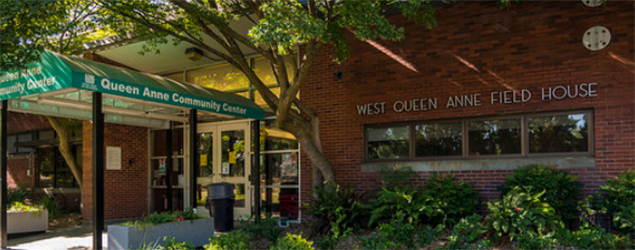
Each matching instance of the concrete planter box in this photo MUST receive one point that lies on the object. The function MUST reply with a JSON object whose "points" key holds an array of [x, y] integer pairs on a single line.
{"points": [[130, 237], [27, 222]]}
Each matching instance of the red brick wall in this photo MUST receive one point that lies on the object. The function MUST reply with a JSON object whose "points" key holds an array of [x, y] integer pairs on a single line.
{"points": [[17, 177], [125, 190], [479, 48]]}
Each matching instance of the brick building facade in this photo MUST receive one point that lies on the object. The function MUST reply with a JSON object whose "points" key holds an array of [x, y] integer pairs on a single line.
{"points": [[480, 63], [479, 51]]}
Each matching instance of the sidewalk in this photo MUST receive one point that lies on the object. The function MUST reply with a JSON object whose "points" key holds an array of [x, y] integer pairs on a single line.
{"points": [[73, 238]]}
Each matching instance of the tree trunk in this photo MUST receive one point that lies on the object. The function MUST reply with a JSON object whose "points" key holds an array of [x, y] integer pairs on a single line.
{"points": [[65, 148], [302, 130]]}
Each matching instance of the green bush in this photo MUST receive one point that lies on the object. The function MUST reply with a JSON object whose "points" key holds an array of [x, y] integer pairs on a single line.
{"points": [[397, 177], [172, 244], [455, 199], [427, 235], [406, 204], [591, 208], [561, 188], [327, 199], [521, 214], [236, 240], [338, 231], [163, 217], [54, 208], [399, 235], [17, 195], [531, 240], [467, 231], [293, 242], [620, 200], [265, 228], [593, 237]]}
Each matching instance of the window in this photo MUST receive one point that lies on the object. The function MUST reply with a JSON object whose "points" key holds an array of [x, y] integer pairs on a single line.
{"points": [[494, 137], [225, 77], [14, 140], [53, 170], [558, 133], [438, 139], [388, 143], [522, 135]]}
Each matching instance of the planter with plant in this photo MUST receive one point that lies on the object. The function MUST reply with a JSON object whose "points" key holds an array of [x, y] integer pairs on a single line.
{"points": [[181, 225], [22, 218]]}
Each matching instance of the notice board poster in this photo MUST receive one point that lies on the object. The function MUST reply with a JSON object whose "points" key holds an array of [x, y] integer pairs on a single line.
{"points": [[113, 158]]}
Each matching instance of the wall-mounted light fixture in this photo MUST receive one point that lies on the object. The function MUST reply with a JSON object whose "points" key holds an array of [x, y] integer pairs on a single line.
{"points": [[193, 53], [596, 38]]}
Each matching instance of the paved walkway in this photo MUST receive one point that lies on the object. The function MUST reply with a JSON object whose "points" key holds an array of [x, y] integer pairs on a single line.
{"points": [[74, 238]]}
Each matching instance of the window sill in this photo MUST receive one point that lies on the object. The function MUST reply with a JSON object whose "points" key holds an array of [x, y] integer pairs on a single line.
{"points": [[485, 164]]}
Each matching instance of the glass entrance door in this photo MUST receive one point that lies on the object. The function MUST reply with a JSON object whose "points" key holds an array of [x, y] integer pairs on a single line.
{"points": [[224, 157]]}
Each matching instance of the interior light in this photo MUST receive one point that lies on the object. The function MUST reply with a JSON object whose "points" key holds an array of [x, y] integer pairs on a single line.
{"points": [[193, 53]]}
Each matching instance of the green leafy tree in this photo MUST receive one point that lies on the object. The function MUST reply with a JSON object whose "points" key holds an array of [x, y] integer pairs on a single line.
{"points": [[30, 26], [278, 27]]}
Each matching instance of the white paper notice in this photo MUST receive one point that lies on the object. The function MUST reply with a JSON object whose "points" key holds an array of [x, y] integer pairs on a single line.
{"points": [[113, 158]]}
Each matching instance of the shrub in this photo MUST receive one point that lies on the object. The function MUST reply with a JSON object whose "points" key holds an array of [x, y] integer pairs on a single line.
{"points": [[520, 214], [397, 177], [406, 204], [163, 217], [17, 195], [467, 231], [236, 240], [593, 237], [293, 242], [327, 199], [426, 235], [338, 231], [266, 228], [620, 200], [455, 199], [532, 240], [172, 244], [590, 208], [54, 208], [561, 188], [397, 235]]}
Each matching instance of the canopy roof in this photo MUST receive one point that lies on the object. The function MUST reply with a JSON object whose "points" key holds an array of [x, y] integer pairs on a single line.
{"points": [[60, 85]]}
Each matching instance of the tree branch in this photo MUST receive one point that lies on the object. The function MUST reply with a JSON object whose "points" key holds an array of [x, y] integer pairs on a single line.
{"points": [[287, 97]]}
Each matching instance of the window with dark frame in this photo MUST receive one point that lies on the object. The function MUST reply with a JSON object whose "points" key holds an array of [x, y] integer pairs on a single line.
{"points": [[519, 135], [53, 171], [13, 149], [438, 139], [388, 142]]}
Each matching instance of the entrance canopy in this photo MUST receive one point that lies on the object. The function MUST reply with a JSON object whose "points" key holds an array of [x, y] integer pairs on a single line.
{"points": [[62, 86]]}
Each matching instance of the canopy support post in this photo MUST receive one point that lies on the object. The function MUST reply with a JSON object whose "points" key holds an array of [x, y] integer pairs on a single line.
{"points": [[255, 167], [3, 168], [168, 169], [193, 158], [98, 171]]}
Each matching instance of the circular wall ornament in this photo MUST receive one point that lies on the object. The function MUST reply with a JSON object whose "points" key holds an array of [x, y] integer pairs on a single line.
{"points": [[592, 3], [596, 38]]}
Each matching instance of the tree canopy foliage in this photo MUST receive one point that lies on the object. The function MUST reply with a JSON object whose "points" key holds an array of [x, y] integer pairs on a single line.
{"points": [[277, 27]]}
